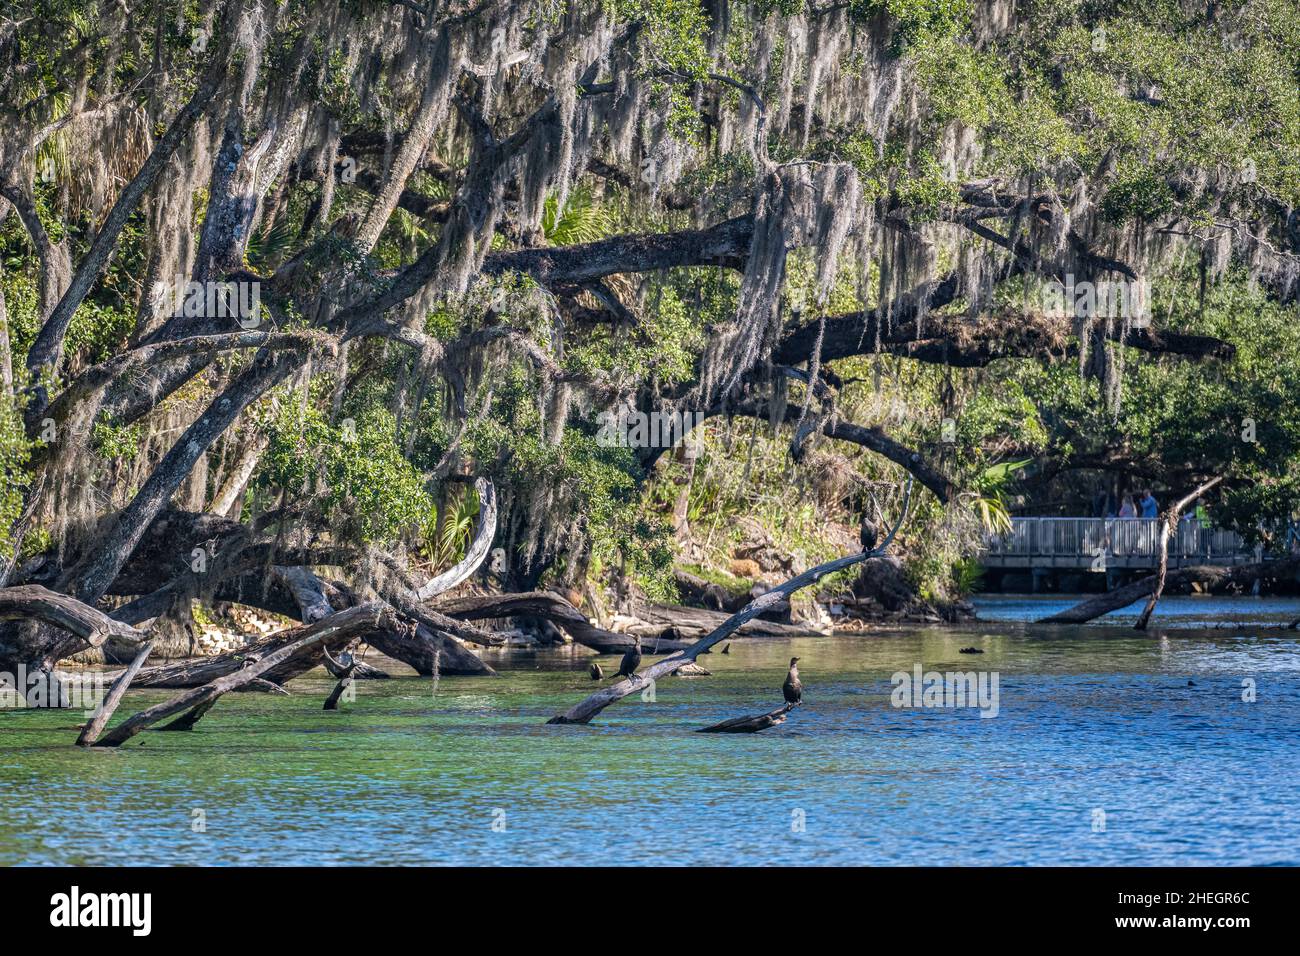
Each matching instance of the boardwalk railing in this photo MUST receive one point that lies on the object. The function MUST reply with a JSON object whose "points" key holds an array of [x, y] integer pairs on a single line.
{"points": [[1098, 543]]}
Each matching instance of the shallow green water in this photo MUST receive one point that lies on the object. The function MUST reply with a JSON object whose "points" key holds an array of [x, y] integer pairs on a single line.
{"points": [[1089, 719]]}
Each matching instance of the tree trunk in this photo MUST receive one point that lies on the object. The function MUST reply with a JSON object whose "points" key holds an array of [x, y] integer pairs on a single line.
{"points": [[95, 726]]}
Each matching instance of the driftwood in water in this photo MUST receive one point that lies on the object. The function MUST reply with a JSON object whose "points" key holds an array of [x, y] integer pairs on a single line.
{"points": [[344, 625], [583, 712], [750, 725], [701, 620], [1205, 574], [1168, 523], [418, 651], [199, 671], [95, 726]]}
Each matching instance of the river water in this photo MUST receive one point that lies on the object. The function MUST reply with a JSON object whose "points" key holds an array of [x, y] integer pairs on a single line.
{"points": [[1108, 747]]}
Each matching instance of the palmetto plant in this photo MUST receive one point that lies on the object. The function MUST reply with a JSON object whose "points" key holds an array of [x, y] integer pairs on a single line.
{"points": [[446, 545], [990, 505], [269, 244], [581, 220]]}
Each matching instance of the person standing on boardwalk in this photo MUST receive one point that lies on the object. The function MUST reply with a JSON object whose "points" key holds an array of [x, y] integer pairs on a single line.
{"points": [[1150, 508]]}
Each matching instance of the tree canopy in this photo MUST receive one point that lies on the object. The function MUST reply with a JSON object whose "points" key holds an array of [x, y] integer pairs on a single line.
{"points": [[285, 276]]}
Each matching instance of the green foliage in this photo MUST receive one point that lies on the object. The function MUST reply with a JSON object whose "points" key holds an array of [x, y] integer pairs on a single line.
{"points": [[356, 473], [114, 442], [14, 452], [581, 220], [917, 21]]}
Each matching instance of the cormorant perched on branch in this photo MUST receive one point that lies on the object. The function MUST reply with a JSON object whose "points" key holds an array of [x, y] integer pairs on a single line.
{"points": [[867, 534], [631, 660], [792, 688]]}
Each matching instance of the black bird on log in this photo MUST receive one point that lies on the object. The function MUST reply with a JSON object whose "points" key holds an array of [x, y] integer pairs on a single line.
{"points": [[792, 688], [595, 672], [631, 660]]}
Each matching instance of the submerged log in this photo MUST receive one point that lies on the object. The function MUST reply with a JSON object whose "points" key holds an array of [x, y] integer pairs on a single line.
{"points": [[187, 720], [750, 725]]}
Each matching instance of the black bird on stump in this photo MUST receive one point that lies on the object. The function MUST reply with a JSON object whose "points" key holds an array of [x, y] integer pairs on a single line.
{"points": [[631, 660], [793, 688]]}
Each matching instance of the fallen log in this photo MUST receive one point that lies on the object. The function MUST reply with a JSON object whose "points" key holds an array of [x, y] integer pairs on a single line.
{"points": [[701, 620], [187, 720], [199, 671], [417, 652], [32, 602], [546, 605], [583, 712], [428, 653], [750, 725], [342, 625], [657, 618], [1211, 575]]}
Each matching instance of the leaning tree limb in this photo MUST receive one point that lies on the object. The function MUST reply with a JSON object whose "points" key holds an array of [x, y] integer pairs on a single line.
{"points": [[1168, 522], [95, 726], [34, 602], [583, 712], [349, 623], [1211, 575]]}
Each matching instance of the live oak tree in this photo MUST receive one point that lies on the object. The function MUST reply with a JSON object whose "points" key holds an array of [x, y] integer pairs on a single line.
{"points": [[280, 278]]}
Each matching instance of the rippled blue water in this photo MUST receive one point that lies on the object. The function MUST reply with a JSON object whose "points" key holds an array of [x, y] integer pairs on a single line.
{"points": [[1090, 719]]}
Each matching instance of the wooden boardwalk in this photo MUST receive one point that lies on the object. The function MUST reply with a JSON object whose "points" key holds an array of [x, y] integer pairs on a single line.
{"points": [[1101, 544]]}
